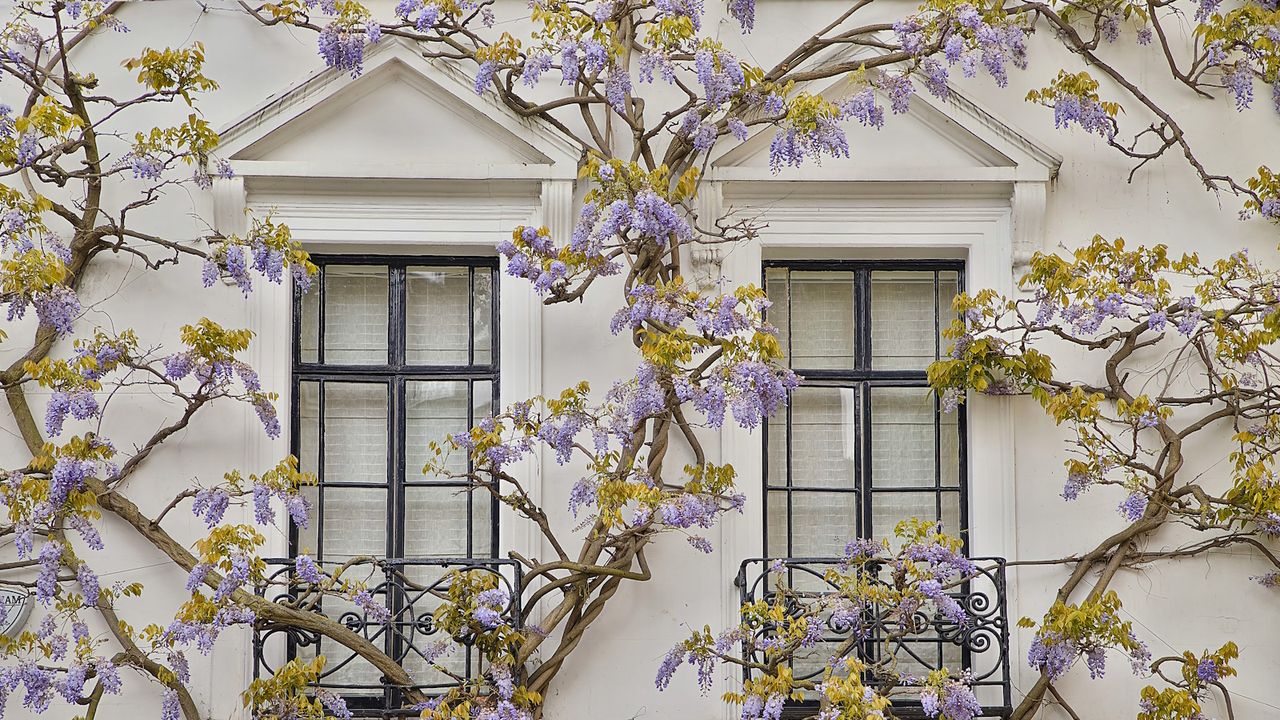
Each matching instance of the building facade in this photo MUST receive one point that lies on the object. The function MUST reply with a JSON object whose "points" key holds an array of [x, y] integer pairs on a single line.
{"points": [[401, 181]]}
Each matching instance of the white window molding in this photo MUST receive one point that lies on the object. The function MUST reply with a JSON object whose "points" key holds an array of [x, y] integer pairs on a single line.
{"points": [[427, 218], [821, 221]]}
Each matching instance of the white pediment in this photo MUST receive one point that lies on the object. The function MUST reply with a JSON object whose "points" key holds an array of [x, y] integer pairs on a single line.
{"points": [[404, 116], [952, 139]]}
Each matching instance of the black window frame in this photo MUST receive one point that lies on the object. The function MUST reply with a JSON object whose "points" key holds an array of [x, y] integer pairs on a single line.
{"points": [[862, 378], [395, 374]]}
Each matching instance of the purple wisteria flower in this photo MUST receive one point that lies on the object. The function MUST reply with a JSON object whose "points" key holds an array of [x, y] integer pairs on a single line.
{"points": [[1052, 654], [376, 612], [1207, 671], [1134, 506], [1076, 484], [57, 308], [1085, 112], [307, 570], [342, 47], [744, 11], [211, 504]]}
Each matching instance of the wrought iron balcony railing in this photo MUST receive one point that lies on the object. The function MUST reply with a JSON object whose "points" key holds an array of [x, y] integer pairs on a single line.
{"points": [[979, 644], [411, 589]]}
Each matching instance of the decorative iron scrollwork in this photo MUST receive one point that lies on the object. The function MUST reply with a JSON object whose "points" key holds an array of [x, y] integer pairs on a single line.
{"points": [[928, 642], [411, 589]]}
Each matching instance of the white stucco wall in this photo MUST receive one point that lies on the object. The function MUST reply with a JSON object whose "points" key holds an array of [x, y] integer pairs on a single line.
{"points": [[1015, 452]]}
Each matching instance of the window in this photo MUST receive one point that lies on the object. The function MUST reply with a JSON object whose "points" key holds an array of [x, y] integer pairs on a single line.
{"points": [[863, 443], [390, 355]]}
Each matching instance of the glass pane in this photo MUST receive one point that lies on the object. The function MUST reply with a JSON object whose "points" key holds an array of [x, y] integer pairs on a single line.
{"points": [[355, 433], [309, 335], [309, 426], [482, 524], [437, 316], [355, 315], [823, 523], [949, 448], [902, 437], [483, 317], [903, 335], [823, 440], [948, 288], [952, 523], [776, 431], [822, 320], [435, 521], [308, 538], [776, 542], [355, 522], [434, 410], [776, 288], [890, 508]]}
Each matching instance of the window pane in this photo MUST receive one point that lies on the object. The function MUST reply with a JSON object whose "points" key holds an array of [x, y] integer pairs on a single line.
{"points": [[309, 326], [308, 426], [434, 410], [949, 448], [355, 315], [776, 431], [435, 520], [482, 325], [952, 523], [948, 288], [355, 522], [823, 522], [902, 446], [822, 322], [776, 288], [437, 316], [482, 522], [308, 539], [355, 433], [776, 542], [903, 336], [890, 508], [823, 440]]}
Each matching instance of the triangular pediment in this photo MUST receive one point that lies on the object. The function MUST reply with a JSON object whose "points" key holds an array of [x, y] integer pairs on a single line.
{"points": [[405, 114], [951, 138]]}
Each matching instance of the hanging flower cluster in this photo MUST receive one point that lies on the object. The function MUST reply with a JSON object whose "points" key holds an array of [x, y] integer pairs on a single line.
{"points": [[965, 35], [33, 261], [629, 207], [716, 352], [1074, 99], [1243, 44], [1088, 630], [268, 249]]}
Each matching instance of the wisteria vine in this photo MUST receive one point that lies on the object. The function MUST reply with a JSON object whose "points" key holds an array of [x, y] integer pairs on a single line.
{"points": [[706, 357]]}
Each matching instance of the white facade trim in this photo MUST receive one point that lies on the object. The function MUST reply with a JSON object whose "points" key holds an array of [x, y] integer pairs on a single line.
{"points": [[400, 219], [886, 221]]}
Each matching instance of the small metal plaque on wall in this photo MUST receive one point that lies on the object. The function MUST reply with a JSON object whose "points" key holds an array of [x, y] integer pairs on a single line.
{"points": [[15, 606]]}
